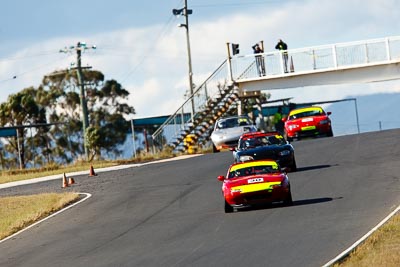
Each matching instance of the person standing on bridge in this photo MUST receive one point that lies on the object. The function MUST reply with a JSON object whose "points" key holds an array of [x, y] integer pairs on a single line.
{"points": [[282, 46], [259, 59]]}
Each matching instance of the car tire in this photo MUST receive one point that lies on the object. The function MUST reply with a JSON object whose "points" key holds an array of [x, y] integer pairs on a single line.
{"points": [[215, 150], [330, 133], [228, 208], [288, 201], [289, 139], [293, 167]]}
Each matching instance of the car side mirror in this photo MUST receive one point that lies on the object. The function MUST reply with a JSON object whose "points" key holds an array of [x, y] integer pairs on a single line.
{"points": [[284, 119], [232, 148], [285, 169], [221, 178], [329, 113]]}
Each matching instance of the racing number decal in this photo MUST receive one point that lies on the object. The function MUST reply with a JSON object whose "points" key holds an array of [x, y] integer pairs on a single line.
{"points": [[255, 180]]}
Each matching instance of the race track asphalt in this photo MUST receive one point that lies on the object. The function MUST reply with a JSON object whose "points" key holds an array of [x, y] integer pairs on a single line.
{"points": [[171, 213]]}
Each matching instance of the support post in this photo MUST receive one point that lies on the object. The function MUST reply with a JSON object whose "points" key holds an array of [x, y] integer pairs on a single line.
{"points": [[230, 78], [388, 57], [83, 99], [186, 14], [334, 55], [260, 115], [358, 123], [19, 151], [133, 139]]}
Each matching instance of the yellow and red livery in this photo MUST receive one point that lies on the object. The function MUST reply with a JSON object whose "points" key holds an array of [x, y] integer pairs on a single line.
{"points": [[255, 182], [307, 122]]}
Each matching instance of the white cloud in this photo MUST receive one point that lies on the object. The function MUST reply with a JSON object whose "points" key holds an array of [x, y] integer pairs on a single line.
{"points": [[154, 67]]}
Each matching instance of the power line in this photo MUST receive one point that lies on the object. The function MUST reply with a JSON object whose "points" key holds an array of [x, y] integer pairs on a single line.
{"points": [[16, 76], [247, 3], [159, 37], [40, 54], [150, 48]]}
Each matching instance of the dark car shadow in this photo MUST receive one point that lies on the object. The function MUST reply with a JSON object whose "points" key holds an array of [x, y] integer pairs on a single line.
{"points": [[295, 203], [316, 167], [314, 201]]}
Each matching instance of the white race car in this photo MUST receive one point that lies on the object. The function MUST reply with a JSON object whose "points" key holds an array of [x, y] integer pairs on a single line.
{"points": [[227, 131]]}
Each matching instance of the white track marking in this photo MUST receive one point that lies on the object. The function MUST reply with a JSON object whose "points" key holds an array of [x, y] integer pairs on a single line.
{"points": [[113, 168], [87, 195], [362, 239]]}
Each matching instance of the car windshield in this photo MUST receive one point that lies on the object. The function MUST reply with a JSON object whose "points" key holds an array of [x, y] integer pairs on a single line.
{"points": [[257, 141], [232, 122], [253, 170], [307, 113]]}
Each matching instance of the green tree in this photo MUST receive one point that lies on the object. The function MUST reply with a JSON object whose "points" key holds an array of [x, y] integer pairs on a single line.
{"points": [[56, 103], [20, 110], [107, 106]]}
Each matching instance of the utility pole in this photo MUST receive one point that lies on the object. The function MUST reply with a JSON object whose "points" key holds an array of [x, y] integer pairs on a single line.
{"points": [[186, 12], [85, 118]]}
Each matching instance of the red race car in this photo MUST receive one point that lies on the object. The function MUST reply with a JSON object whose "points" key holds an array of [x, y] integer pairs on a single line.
{"points": [[307, 122], [255, 182]]}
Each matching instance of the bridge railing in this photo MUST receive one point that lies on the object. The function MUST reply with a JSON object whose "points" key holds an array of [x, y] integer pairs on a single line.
{"points": [[318, 58], [182, 117]]}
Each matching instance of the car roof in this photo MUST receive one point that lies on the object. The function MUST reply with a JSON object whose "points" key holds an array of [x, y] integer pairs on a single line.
{"points": [[305, 109], [257, 134], [234, 117], [253, 163]]}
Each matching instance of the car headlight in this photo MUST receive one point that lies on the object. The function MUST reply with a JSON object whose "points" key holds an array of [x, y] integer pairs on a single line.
{"points": [[324, 122], [284, 153], [245, 158], [293, 126]]}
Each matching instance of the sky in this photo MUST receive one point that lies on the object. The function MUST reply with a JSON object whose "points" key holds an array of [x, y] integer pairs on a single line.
{"points": [[139, 44]]}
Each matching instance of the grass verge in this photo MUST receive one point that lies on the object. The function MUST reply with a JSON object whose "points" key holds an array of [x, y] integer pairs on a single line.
{"points": [[18, 212], [54, 169], [382, 248]]}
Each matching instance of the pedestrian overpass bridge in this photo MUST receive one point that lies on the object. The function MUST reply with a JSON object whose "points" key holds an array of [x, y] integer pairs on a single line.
{"points": [[239, 77], [355, 62]]}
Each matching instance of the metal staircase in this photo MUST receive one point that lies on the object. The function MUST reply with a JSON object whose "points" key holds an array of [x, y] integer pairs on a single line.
{"points": [[209, 101]]}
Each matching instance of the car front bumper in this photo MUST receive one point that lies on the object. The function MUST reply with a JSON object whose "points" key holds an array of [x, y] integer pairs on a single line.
{"points": [[258, 198], [310, 131]]}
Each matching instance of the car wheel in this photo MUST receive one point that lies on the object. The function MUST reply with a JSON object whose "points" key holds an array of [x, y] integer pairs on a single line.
{"points": [[228, 208], [215, 150], [330, 133], [289, 139], [288, 201], [293, 167]]}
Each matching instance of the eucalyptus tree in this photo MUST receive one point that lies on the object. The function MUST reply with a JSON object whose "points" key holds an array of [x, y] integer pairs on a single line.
{"points": [[21, 109], [55, 105], [107, 109]]}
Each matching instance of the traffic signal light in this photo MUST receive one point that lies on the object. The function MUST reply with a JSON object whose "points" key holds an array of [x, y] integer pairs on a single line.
{"points": [[235, 49]]}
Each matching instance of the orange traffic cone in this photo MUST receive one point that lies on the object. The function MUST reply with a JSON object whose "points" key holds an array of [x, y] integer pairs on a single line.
{"points": [[64, 181], [91, 172], [71, 181]]}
